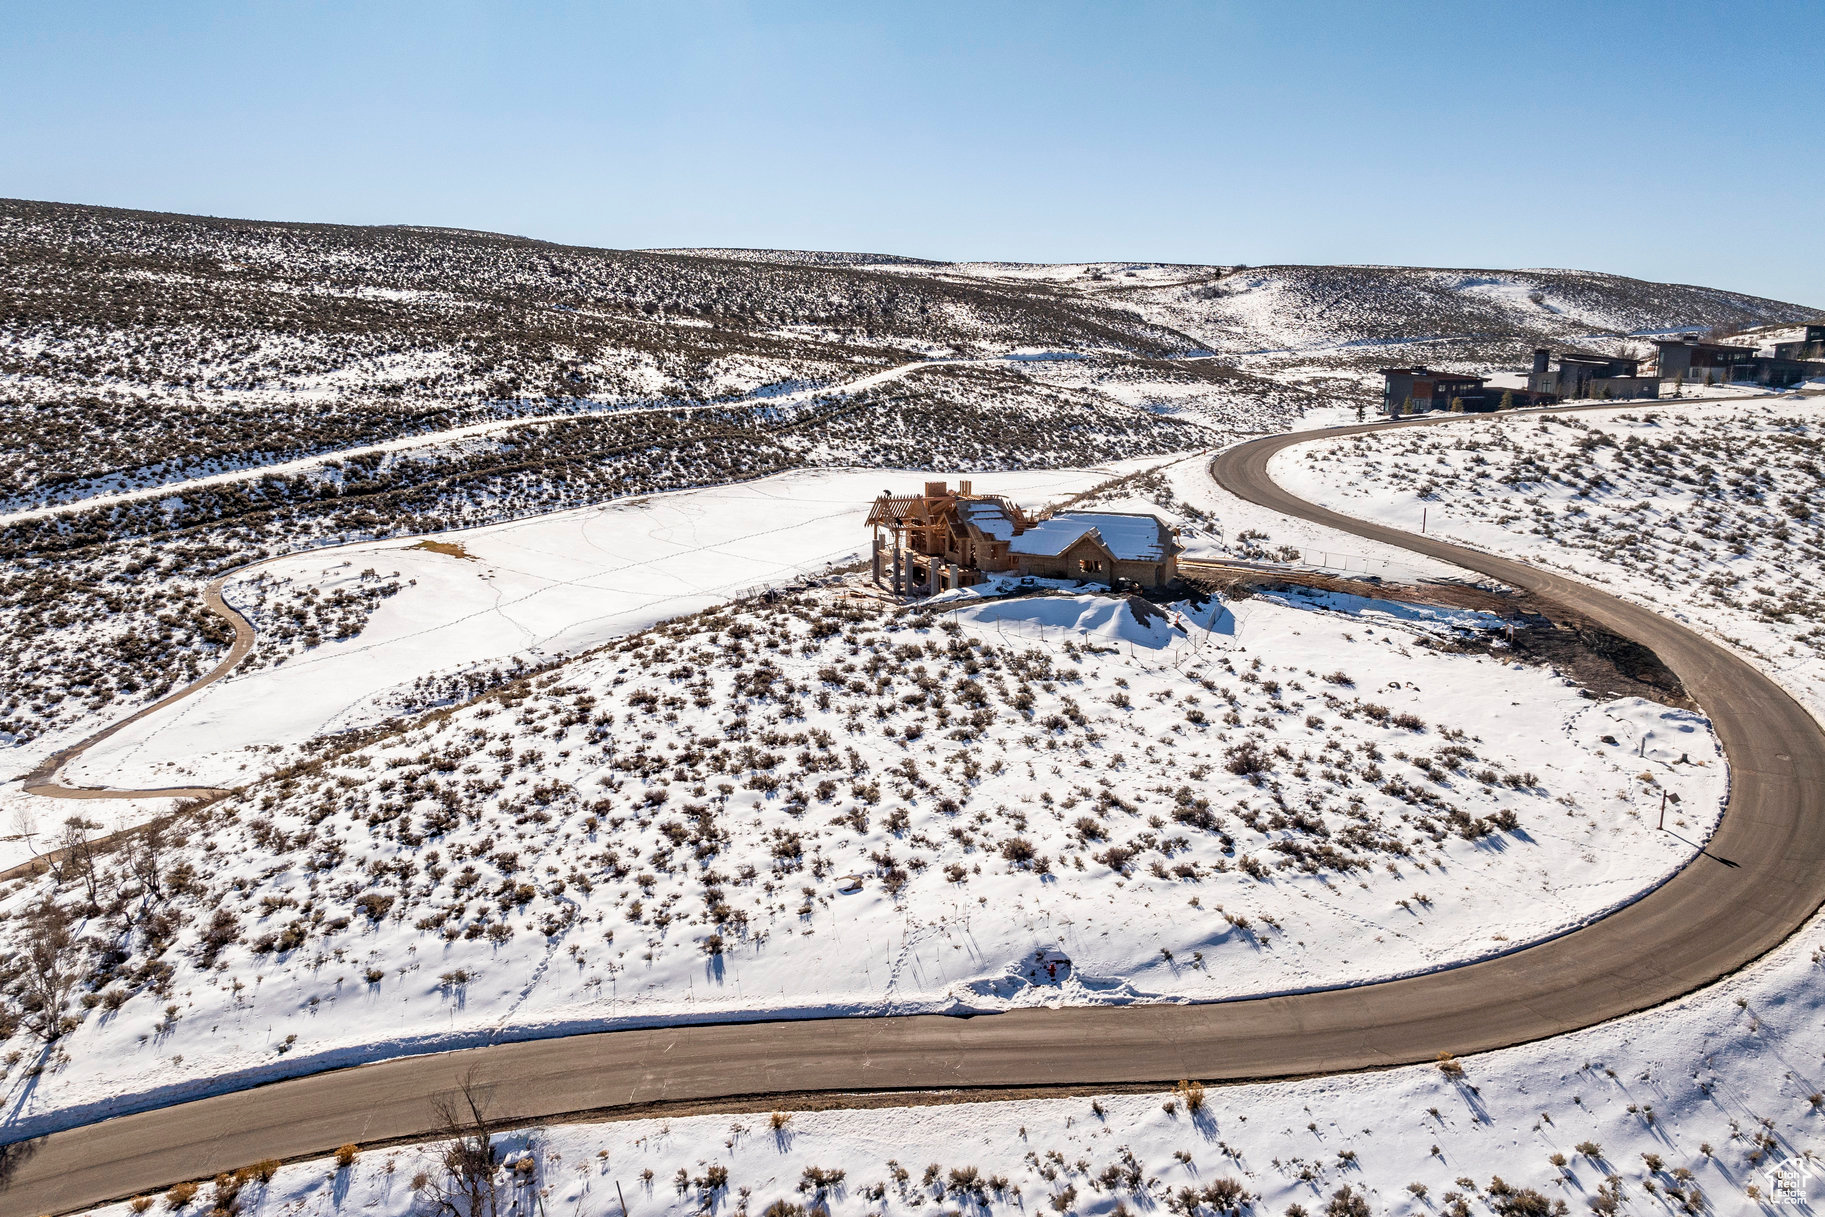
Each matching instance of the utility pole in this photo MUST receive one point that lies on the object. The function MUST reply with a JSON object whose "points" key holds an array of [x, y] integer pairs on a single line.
{"points": [[1663, 809], [1422, 518], [622, 1198]]}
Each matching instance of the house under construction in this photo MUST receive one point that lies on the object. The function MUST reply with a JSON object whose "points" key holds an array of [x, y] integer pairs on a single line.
{"points": [[944, 538]]}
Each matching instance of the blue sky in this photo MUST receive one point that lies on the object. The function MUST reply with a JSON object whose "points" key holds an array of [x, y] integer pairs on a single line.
{"points": [[1672, 141]]}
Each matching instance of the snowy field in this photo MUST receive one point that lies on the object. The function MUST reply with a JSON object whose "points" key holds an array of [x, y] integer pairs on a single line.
{"points": [[526, 592], [825, 805], [1708, 1105], [1712, 513]]}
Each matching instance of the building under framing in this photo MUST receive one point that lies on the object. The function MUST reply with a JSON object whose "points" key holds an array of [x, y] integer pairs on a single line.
{"points": [[944, 538]]}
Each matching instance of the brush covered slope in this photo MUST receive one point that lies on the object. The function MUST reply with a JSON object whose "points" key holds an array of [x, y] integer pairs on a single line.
{"points": [[123, 328], [1327, 328], [1714, 514], [818, 803]]}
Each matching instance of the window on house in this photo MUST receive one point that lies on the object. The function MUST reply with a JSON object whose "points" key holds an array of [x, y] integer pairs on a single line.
{"points": [[1090, 566]]}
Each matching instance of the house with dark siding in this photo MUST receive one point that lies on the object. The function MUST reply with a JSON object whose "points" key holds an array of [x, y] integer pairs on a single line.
{"points": [[1688, 360], [1584, 376]]}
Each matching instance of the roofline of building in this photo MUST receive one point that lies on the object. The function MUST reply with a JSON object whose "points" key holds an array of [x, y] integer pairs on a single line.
{"points": [[1425, 371]]}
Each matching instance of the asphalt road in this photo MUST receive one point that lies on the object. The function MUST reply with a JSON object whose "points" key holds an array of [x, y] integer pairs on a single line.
{"points": [[1760, 879]]}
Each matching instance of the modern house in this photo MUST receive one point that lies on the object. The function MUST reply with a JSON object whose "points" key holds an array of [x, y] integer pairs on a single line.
{"points": [[1690, 361], [948, 538], [1589, 376], [1572, 375], [1811, 347], [1419, 389]]}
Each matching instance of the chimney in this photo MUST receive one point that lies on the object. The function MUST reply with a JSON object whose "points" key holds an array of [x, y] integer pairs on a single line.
{"points": [[1541, 356]]}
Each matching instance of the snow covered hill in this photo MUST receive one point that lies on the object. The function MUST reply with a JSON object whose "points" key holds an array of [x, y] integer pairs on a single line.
{"points": [[202, 393], [119, 330]]}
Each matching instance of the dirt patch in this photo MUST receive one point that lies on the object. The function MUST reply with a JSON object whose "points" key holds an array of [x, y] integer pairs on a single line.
{"points": [[452, 548], [1232, 580], [1604, 664]]}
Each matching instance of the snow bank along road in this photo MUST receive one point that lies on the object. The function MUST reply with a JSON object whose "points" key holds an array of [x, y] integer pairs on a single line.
{"points": [[1761, 877]]}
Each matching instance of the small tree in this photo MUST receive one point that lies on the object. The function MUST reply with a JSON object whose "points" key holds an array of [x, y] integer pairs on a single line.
{"points": [[76, 856], [1507, 399], [46, 974], [25, 826], [470, 1163], [146, 856]]}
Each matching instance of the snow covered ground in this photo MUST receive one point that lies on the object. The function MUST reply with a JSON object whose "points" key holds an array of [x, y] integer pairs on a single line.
{"points": [[1686, 1108], [825, 805], [1714, 513], [525, 592]]}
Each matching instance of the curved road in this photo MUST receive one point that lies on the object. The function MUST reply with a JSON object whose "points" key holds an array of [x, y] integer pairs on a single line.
{"points": [[43, 779], [1759, 880]]}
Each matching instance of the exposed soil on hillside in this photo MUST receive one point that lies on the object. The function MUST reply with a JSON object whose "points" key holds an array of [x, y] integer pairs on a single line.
{"points": [[1604, 664]]}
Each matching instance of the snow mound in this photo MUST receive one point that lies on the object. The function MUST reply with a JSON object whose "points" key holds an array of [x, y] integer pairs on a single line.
{"points": [[1649, 731], [1112, 619], [1051, 982]]}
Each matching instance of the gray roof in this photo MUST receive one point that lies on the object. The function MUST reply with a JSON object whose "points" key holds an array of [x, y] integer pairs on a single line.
{"points": [[1128, 537]]}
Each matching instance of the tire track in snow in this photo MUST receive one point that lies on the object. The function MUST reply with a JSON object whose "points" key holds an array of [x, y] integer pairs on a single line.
{"points": [[254, 473]]}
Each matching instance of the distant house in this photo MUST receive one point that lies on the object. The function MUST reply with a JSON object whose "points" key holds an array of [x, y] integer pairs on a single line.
{"points": [[1417, 390], [1589, 376], [1811, 347], [1690, 361], [948, 538]]}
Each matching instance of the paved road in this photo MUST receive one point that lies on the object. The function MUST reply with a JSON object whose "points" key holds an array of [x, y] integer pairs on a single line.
{"points": [[1761, 878]]}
